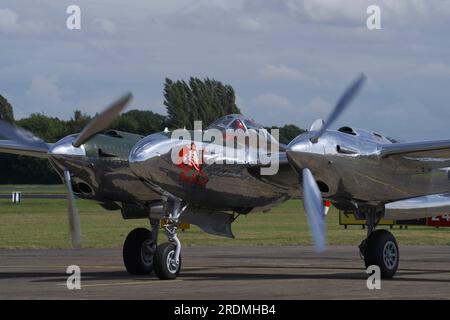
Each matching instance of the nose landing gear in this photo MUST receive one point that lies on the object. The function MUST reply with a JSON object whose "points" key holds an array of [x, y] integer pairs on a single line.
{"points": [[380, 248], [166, 265], [168, 255], [141, 253]]}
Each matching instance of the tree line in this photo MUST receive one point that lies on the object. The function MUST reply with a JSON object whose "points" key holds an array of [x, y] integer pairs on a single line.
{"points": [[185, 101]]}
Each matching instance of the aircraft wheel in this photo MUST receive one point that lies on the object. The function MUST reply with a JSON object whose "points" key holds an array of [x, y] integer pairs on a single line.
{"points": [[381, 249], [138, 252], [165, 265]]}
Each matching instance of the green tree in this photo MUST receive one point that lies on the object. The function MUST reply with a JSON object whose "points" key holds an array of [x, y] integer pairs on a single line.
{"points": [[204, 100], [140, 121], [6, 110], [26, 170], [78, 121], [21, 169], [49, 129], [288, 132]]}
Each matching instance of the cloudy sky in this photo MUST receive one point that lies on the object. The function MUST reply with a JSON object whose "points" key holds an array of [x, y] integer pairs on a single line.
{"points": [[288, 60]]}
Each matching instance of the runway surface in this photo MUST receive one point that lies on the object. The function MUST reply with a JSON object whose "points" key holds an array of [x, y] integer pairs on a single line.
{"points": [[226, 273]]}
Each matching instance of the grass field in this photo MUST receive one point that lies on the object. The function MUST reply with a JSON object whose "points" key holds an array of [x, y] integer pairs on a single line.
{"points": [[36, 223], [33, 188]]}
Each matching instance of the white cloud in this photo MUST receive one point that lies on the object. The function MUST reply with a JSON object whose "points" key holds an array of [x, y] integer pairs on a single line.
{"points": [[317, 106], [44, 88], [329, 11], [227, 5], [250, 24], [274, 56], [44, 95], [8, 20], [274, 109], [433, 69], [104, 25], [10, 23], [272, 100], [102, 43], [353, 12], [281, 72]]}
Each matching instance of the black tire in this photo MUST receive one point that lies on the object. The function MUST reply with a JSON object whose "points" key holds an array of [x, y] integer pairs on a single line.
{"points": [[382, 250], [137, 261], [161, 262]]}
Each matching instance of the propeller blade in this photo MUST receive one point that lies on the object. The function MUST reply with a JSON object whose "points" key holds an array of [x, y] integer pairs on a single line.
{"points": [[102, 120], [22, 136], [342, 103], [74, 219], [314, 208]]}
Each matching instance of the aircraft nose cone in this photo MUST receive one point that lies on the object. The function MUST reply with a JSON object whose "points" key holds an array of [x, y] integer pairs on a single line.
{"points": [[298, 150], [299, 146], [302, 153], [65, 147]]}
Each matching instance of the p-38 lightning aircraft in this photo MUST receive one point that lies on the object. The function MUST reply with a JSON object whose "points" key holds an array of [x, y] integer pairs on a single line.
{"points": [[357, 170]]}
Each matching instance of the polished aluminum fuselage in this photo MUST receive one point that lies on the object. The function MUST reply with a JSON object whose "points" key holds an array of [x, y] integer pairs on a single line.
{"points": [[230, 186], [116, 179]]}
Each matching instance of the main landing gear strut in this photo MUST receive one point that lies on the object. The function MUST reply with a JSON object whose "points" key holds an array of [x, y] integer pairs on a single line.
{"points": [[380, 247], [142, 254]]}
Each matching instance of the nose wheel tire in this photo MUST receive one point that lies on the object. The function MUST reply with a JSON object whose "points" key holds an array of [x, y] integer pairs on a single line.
{"points": [[138, 252], [166, 268], [381, 250]]}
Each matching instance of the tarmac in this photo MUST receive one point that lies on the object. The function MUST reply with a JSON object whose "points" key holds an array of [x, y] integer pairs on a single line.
{"points": [[233, 272]]}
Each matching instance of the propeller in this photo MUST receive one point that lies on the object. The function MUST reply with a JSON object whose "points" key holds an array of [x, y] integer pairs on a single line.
{"points": [[33, 143], [22, 136], [102, 120], [340, 106], [99, 123], [74, 219], [297, 154], [314, 208]]}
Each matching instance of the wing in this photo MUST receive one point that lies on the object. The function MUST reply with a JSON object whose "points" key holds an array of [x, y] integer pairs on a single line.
{"points": [[439, 149], [419, 207], [13, 147]]}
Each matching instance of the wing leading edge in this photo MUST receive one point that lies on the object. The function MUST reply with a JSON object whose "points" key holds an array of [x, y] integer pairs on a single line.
{"points": [[425, 149], [13, 147], [419, 207]]}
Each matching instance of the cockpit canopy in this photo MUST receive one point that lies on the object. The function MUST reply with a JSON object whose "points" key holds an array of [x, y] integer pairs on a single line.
{"points": [[235, 121], [239, 121]]}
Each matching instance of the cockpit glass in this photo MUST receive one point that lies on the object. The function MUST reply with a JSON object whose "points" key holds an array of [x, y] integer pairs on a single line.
{"points": [[249, 126], [221, 122], [237, 124], [252, 124]]}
